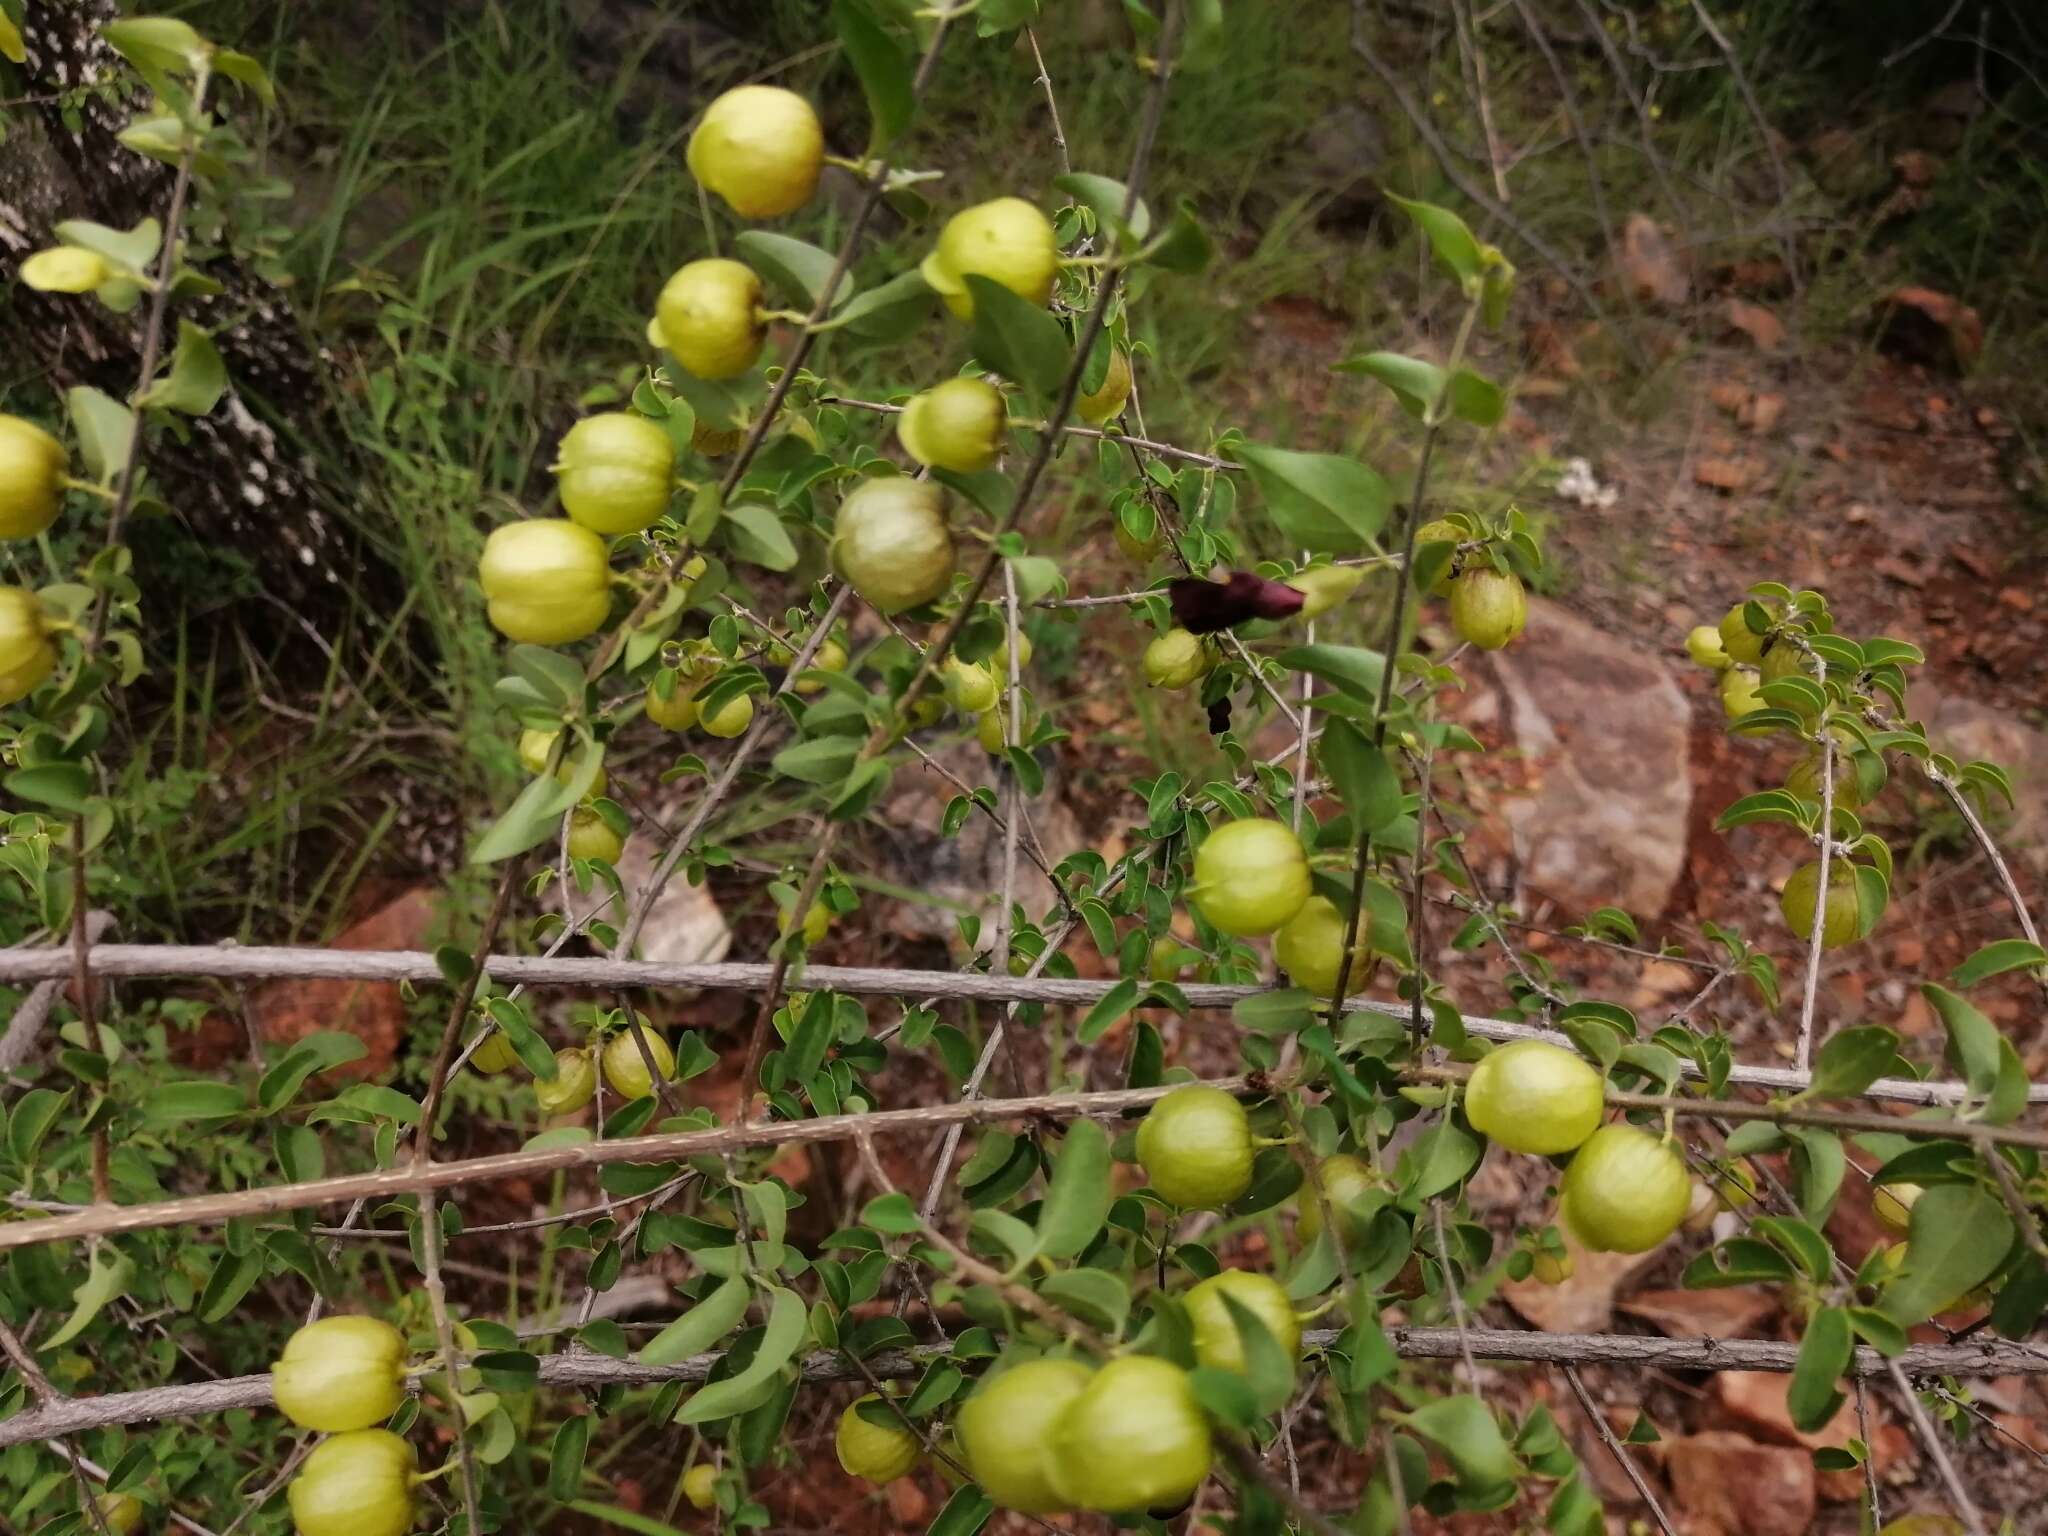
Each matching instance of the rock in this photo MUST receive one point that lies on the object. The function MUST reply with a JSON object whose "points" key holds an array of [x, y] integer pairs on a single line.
{"points": [[1650, 265], [963, 872], [1605, 730], [1759, 1402], [1584, 1303], [1967, 730], [373, 1011], [1716, 1314], [1925, 326], [684, 926], [1726, 1484]]}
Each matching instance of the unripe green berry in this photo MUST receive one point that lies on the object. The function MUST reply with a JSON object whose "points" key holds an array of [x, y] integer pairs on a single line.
{"points": [[615, 472], [340, 1373], [1007, 241], [1195, 1146], [546, 581], [891, 542], [356, 1484], [760, 148], [1177, 660], [957, 425], [709, 318], [879, 1453]]}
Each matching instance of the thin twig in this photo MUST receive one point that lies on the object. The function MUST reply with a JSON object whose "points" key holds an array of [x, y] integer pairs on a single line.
{"points": [[1803, 1055], [1618, 1450], [1930, 1438]]}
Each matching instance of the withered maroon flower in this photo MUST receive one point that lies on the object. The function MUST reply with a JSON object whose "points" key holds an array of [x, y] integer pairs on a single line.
{"points": [[1204, 607]]}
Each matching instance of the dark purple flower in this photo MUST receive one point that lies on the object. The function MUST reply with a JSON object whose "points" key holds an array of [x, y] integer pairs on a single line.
{"points": [[1204, 607], [1219, 716]]}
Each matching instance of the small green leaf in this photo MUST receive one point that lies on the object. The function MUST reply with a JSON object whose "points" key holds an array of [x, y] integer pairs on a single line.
{"points": [[784, 1331], [105, 429], [799, 268], [1998, 957], [1319, 500], [1824, 1353], [892, 1212], [1465, 1430], [1106, 198], [1113, 1005], [1096, 1296], [700, 1327], [1851, 1060], [198, 377], [1416, 384], [1350, 668], [107, 1278], [1455, 245], [528, 821], [565, 1460], [757, 536], [883, 68], [1017, 338], [1956, 1237], [1365, 780], [1078, 1197], [1972, 1038], [196, 1101]]}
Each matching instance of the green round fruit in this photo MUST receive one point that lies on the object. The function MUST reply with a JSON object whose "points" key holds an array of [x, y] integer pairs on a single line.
{"points": [[677, 712], [1805, 780], [26, 655], [1488, 607], [817, 921], [1738, 692], [1195, 1146], [573, 1085], [760, 148], [1535, 1097], [535, 747], [1324, 587], [1345, 1180], [700, 1485], [1442, 531], [1548, 1268], [1704, 646], [356, 1484], [1006, 1427], [1251, 876], [1742, 643], [730, 719], [32, 468], [1625, 1191], [1164, 963], [546, 581], [1801, 897], [121, 1513], [830, 657], [879, 1453], [891, 543], [1141, 550], [626, 1069], [991, 726], [496, 1054], [1107, 403], [615, 472], [957, 425], [1894, 1203], [1177, 660], [592, 837], [709, 317], [1310, 948], [1134, 1438], [340, 1373], [1217, 1340], [1007, 241], [970, 686]]}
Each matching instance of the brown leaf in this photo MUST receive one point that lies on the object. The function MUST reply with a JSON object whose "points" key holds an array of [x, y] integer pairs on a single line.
{"points": [[1727, 1485], [1763, 328], [1760, 1402], [1650, 265], [1584, 1303], [1926, 326], [374, 1011], [1731, 475], [1761, 412], [1716, 1314]]}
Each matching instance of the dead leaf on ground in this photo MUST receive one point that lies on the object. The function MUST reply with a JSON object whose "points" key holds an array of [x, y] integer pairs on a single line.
{"points": [[1585, 1302], [1761, 412], [1726, 1484], [1650, 264], [1763, 328], [1731, 475], [1926, 326], [1717, 1314]]}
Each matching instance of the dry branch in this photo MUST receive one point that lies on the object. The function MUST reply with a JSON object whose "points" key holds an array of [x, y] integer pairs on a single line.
{"points": [[231, 962], [70, 1416]]}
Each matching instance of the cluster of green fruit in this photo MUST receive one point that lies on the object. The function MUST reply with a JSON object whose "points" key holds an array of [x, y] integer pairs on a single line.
{"points": [[1488, 603], [1747, 659], [33, 479], [342, 1376], [616, 1053], [1055, 1435], [1624, 1190]]}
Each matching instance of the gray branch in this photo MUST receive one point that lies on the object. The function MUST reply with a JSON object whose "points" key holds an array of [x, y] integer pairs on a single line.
{"points": [[72, 1416], [238, 963]]}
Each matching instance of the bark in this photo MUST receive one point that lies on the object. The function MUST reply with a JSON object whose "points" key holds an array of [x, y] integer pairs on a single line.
{"points": [[234, 480]]}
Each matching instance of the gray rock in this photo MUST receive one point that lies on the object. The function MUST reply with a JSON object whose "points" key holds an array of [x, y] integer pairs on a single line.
{"points": [[1605, 729], [1967, 730]]}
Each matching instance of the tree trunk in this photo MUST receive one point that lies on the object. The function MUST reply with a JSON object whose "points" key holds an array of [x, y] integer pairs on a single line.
{"points": [[236, 485]]}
